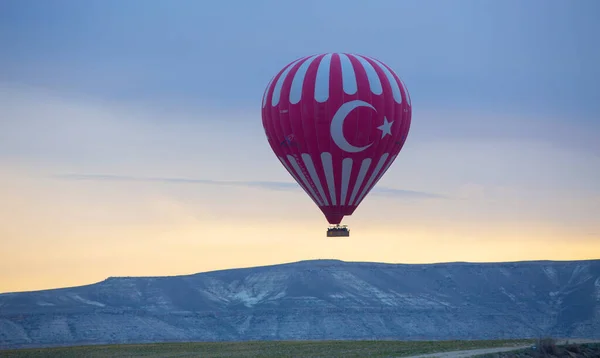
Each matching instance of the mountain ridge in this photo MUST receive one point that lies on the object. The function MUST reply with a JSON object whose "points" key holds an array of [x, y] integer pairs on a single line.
{"points": [[316, 299], [312, 261]]}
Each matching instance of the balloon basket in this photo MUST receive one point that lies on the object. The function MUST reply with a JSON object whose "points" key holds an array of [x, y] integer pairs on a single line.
{"points": [[338, 231]]}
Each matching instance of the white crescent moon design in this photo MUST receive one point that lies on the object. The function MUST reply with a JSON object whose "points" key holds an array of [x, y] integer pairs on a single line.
{"points": [[337, 125]]}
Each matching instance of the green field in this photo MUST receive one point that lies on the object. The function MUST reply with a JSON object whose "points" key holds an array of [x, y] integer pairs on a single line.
{"points": [[265, 349]]}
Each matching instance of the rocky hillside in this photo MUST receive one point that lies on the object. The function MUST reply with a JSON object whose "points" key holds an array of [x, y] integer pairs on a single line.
{"points": [[323, 299]]}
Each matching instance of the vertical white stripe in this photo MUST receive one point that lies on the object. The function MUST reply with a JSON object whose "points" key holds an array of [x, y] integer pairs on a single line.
{"points": [[346, 171], [387, 166], [328, 169], [391, 80], [302, 177], [296, 179], [374, 81], [348, 75], [372, 177], [264, 103], [361, 176], [405, 91], [310, 166], [298, 82], [279, 84], [322, 82]]}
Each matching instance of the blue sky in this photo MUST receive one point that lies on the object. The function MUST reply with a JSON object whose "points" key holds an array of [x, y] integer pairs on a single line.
{"points": [[537, 56], [121, 120]]}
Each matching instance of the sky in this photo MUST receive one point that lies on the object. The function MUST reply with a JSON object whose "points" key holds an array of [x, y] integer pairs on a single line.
{"points": [[131, 141]]}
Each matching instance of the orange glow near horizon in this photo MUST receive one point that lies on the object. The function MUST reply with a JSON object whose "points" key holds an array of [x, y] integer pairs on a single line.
{"points": [[185, 252], [81, 242]]}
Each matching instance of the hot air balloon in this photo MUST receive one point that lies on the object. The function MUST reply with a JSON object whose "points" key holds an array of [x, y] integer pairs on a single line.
{"points": [[336, 122]]}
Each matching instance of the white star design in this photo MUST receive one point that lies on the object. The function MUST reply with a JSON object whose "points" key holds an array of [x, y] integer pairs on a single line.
{"points": [[386, 127]]}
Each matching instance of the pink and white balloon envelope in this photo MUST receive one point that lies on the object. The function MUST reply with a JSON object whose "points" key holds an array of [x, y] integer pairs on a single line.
{"points": [[336, 122]]}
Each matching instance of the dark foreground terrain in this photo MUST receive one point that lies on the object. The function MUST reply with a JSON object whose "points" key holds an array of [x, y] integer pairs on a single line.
{"points": [[316, 300], [266, 349]]}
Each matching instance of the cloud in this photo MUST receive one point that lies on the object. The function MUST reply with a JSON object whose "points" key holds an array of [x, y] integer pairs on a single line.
{"points": [[410, 194], [268, 185]]}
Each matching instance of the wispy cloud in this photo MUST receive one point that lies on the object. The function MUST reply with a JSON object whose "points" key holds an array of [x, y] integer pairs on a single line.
{"points": [[412, 194], [268, 185]]}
